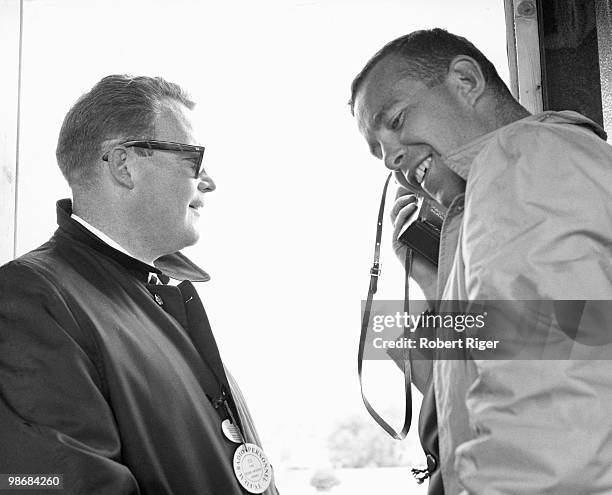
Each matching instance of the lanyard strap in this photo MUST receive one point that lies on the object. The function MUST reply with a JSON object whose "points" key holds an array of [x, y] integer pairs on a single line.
{"points": [[374, 274], [201, 334]]}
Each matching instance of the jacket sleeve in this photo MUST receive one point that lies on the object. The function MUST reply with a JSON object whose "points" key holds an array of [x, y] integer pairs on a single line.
{"points": [[54, 415], [537, 227]]}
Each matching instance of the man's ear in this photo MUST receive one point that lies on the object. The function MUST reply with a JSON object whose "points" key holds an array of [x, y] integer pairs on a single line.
{"points": [[466, 78], [119, 167]]}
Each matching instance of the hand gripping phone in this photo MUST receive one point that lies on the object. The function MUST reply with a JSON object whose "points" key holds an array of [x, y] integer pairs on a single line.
{"points": [[423, 235]]}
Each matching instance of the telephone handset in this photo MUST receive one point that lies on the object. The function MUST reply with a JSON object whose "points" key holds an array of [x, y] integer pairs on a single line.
{"points": [[423, 235]]}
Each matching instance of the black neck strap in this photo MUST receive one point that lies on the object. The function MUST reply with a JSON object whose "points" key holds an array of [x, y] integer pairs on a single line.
{"points": [[199, 328], [365, 323], [184, 304]]}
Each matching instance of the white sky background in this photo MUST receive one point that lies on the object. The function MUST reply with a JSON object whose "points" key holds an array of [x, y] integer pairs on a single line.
{"points": [[288, 234]]}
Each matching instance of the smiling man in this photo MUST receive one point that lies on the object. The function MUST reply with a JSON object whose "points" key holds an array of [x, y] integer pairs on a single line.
{"points": [[110, 378], [528, 218]]}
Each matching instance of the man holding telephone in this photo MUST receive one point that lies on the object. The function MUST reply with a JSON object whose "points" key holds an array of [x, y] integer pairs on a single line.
{"points": [[527, 218]]}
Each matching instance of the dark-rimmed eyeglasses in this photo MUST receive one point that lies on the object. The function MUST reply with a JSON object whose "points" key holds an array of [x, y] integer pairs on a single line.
{"points": [[196, 152]]}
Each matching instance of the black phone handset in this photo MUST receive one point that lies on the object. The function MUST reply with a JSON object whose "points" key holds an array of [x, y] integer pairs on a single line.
{"points": [[423, 235]]}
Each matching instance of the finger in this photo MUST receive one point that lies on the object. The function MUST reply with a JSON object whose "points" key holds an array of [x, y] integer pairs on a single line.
{"points": [[404, 218], [402, 191], [400, 203]]}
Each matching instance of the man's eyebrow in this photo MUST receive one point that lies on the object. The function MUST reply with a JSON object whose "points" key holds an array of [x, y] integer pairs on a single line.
{"points": [[378, 116], [193, 158]]}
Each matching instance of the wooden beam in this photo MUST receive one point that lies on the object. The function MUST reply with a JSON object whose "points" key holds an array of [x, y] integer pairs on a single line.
{"points": [[604, 45], [511, 47], [524, 52], [10, 31]]}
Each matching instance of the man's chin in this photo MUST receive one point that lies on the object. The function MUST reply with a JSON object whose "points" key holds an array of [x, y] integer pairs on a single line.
{"points": [[189, 238], [400, 179], [192, 238]]}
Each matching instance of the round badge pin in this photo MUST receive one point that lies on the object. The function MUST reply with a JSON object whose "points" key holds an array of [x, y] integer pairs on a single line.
{"points": [[252, 468], [231, 431]]}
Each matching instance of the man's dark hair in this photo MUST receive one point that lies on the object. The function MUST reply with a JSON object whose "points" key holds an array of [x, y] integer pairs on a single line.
{"points": [[117, 107], [428, 54]]}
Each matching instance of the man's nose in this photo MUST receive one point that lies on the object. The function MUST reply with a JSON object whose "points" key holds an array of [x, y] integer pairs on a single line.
{"points": [[206, 183], [393, 158]]}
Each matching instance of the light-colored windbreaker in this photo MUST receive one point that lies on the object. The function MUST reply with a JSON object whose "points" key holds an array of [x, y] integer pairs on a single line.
{"points": [[535, 223]]}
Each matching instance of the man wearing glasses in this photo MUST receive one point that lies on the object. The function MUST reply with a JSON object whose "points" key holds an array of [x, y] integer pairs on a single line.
{"points": [[110, 378]]}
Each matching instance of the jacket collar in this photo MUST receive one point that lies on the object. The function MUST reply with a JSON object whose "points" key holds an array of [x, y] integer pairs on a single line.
{"points": [[175, 265], [460, 160]]}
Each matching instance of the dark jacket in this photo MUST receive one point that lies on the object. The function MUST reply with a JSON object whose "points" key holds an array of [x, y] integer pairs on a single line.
{"points": [[99, 382]]}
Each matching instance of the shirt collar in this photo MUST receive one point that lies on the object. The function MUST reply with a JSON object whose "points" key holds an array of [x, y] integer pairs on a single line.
{"points": [[460, 160], [175, 265], [100, 235]]}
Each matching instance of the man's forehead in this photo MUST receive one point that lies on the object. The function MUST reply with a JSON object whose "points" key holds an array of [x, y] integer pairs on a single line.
{"points": [[386, 83], [174, 123]]}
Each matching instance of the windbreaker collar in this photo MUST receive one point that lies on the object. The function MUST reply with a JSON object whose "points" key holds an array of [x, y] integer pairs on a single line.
{"points": [[176, 265], [460, 160]]}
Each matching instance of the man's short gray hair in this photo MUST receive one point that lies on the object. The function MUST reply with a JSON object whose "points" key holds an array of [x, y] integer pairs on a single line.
{"points": [[117, 107]]}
